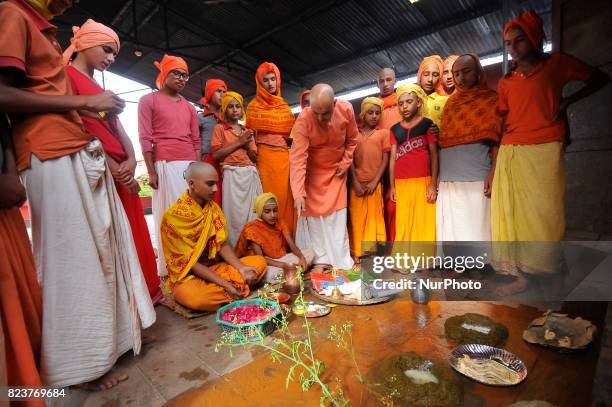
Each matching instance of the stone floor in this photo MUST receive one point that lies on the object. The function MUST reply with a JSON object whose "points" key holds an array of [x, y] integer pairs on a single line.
{"points": [[181, 358]]}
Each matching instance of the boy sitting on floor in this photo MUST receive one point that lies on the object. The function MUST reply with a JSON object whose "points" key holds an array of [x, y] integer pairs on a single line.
{"points": [[268, 236]]}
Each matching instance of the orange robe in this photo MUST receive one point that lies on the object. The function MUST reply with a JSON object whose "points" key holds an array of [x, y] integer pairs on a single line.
{"points": [[390, 114], [322, 149], [20, 303], [190, 234], [273, 167], [270, 238], [271, 117], [366, 213]]}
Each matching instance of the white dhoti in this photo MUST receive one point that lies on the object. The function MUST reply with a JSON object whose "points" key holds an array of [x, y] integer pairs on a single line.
{"points": [[272, 271], [463, 212], [327, 236], [170, 186], [240, 187], [95, 298]]}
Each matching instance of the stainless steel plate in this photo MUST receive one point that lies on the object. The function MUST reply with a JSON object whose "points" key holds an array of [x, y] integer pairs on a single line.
{"points": [[313, 310], [483, 353]]}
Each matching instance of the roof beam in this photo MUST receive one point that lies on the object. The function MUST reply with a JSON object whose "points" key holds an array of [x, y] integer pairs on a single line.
{"points": [[311, 11], [411, 35]]}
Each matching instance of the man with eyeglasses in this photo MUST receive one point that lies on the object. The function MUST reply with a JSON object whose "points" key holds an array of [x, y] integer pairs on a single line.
{"points": [[169, 137]]}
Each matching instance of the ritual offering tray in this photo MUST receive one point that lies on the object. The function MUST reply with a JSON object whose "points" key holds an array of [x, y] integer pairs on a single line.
{"points": [[349, 287], [351, 301], [475, 328], [413, 380], [559, 332], [488, 365], [311, 310]]}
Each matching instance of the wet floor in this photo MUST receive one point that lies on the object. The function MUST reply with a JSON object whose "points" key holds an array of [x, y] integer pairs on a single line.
{"points": [[400, 326]]}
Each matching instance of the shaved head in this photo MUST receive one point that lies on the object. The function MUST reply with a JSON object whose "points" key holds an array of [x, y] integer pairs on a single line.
{"points": [[322, 102], [202, 180], [385, 72], [386, 81], [198, 169]]}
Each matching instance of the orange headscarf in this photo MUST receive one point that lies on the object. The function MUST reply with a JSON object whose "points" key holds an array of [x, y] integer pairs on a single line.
{"points": [[210, 88], [266, 112], [533, 27], [302, 95], [167, 64], [89, 35], [471, 114], [227, 99], [438, 61]]}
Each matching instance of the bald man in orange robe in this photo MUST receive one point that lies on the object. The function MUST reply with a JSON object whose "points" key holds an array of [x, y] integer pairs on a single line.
{"points": [[324, 139]]}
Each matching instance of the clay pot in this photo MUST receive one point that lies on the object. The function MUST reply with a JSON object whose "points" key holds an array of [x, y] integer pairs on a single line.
{"points": [[291, 284]]}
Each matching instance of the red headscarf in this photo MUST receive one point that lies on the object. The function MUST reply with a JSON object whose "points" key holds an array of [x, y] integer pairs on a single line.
{"points": [[89, 35], [267, 112], [167, 64], [210, 88], [438, 61], [532, 25], [471, 114], [304, 93]]}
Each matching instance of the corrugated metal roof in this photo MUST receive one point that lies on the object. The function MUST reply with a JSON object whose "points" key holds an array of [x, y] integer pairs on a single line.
{"points": [[341, 42]]}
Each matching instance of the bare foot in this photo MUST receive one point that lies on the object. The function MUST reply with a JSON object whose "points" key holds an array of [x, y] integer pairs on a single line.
{"points": [[105, 382], [517, 286]]}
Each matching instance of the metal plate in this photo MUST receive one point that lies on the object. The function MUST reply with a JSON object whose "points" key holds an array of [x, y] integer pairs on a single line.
{"points": [[375, 300], [501, 356], [319, 310]]}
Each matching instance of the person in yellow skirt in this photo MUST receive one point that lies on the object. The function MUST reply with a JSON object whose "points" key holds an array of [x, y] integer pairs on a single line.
{"points": [[413, 171], [528, 193], [370, 160]]}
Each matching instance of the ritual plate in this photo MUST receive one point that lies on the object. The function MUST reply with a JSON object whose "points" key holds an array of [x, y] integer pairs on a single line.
{"points": [[313, 310], [343, 301], [488, 365]]}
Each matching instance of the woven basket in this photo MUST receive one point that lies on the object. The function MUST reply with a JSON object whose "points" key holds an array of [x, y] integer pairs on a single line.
{"points": [[252, 331]]}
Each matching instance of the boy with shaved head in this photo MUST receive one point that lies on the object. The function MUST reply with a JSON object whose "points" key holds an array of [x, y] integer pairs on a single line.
{"points": [[325, 136], [386, 85], [203, 270]]}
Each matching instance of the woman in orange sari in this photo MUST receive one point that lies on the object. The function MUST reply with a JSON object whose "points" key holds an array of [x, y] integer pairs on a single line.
{"points": [[270, 116]]}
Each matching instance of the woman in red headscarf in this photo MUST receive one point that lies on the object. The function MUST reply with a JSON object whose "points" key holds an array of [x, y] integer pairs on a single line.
{"points": [[270, 116], [528, 198], [207, 120], [94, 46]]}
